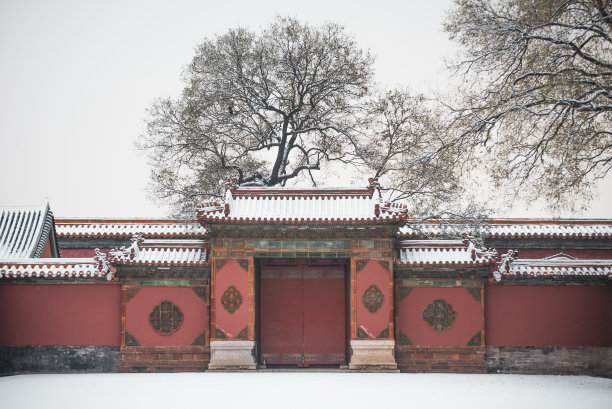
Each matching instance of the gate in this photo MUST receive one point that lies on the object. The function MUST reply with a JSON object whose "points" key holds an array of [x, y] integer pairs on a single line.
{"points": [[302, 315]]}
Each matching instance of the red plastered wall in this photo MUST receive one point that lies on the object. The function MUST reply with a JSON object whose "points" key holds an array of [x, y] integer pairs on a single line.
{"points": [[47, 250], [138, 310], [467, 323], [60, 314], [78, 253], [374, 323], [232, 274], [546, 315]]}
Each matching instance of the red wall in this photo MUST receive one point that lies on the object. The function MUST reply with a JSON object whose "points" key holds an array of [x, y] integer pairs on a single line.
{"points": [[468, 321], [60, 314], [138, 310], [47, 253], [541, 315], [373, 274], [79, 253], [232, 274]]}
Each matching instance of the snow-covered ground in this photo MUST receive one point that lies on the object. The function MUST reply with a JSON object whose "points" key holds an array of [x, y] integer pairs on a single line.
{"points": [[303, 390]]}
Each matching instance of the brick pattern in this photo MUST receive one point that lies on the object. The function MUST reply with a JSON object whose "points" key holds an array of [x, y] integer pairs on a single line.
{"points": [[594, 361], [440, 359], [164, 359], [28, 359]]}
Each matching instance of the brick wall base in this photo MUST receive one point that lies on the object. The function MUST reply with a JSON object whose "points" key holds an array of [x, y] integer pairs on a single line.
{"points": [[595, 361], [16, 360], [441, 359], [164, 359]]}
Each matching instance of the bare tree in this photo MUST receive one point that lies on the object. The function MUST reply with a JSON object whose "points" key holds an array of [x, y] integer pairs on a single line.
{"points": [[405, 145], [260, 107], [536, 95], [278, 106]]}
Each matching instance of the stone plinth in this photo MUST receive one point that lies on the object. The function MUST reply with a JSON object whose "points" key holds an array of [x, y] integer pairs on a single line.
{"points": [[232, 356], [373, 356]]}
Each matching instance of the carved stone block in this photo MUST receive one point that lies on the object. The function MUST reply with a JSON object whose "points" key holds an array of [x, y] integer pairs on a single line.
{"points": [[373, 356], [232, 356]]}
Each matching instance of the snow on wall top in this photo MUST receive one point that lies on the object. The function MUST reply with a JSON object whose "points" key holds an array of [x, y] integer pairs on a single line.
{"points": [[24, 231], [558, 266], [160, 253], [291, 205], [126, 228], [517, 228], [443, 253], [96, 267]]}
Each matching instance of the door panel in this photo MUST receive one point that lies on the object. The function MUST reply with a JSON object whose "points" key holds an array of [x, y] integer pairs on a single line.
{"points": [[302, 312], [281, 312], [324, 326]]}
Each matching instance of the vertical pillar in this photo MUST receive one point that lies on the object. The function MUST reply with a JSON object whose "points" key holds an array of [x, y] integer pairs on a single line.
{"points": [[232, 344], [372, 343]]}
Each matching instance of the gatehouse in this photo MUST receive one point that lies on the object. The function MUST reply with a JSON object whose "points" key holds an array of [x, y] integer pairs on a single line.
{"points": [[304, 278]]}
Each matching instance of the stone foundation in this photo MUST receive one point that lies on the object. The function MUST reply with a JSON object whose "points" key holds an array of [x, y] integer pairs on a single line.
{"points": [[441, 359], [164, 359], [232, 356], [372, 356], [16, 360], [595, 361]]}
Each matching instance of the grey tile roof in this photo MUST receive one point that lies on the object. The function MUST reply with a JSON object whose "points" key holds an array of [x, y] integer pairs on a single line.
{"points": [[25, 231], [557, 266]]}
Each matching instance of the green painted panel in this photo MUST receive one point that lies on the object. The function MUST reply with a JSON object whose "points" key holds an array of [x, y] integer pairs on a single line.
{"points": [[439, 283], [299, 244], [308, 254], [164, 282]]}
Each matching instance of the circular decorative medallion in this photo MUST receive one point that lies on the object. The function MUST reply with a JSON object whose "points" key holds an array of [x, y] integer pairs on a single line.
{"points": [[439, 315], [166, 318], [373, 298], [231, 299]]}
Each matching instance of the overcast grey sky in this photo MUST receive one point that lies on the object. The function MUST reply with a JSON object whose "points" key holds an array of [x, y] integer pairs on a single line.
{"points": [[77, 76]]}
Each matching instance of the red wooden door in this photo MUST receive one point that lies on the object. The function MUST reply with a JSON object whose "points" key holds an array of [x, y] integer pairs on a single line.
{"points": [[324, 317], [281, 316], [302, 316]]}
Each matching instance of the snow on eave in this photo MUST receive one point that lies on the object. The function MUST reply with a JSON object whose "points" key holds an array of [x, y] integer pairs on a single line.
{"points": [[443, 253], [318, 206], [559, 267], [514, 229], [162, 253], [126, 228], [96, 267], [430, 243]]}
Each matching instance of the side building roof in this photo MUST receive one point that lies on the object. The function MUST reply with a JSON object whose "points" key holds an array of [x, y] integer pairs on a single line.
{"points": [[24, 232], [57, 268], [513, 229], [559, 266], [496, 228], [68, 228], [162, 253], [443, 253]]}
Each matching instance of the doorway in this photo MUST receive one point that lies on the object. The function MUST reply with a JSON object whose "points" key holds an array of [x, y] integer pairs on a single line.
{"points": [[302, 312]]}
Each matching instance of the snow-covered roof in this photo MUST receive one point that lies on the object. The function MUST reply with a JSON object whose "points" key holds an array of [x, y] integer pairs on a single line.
{"points": [[516, 228], [559, 266], [443, 253], [24, 231], [96, 267], [126, 228], [301, 206], [189, 253]]}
